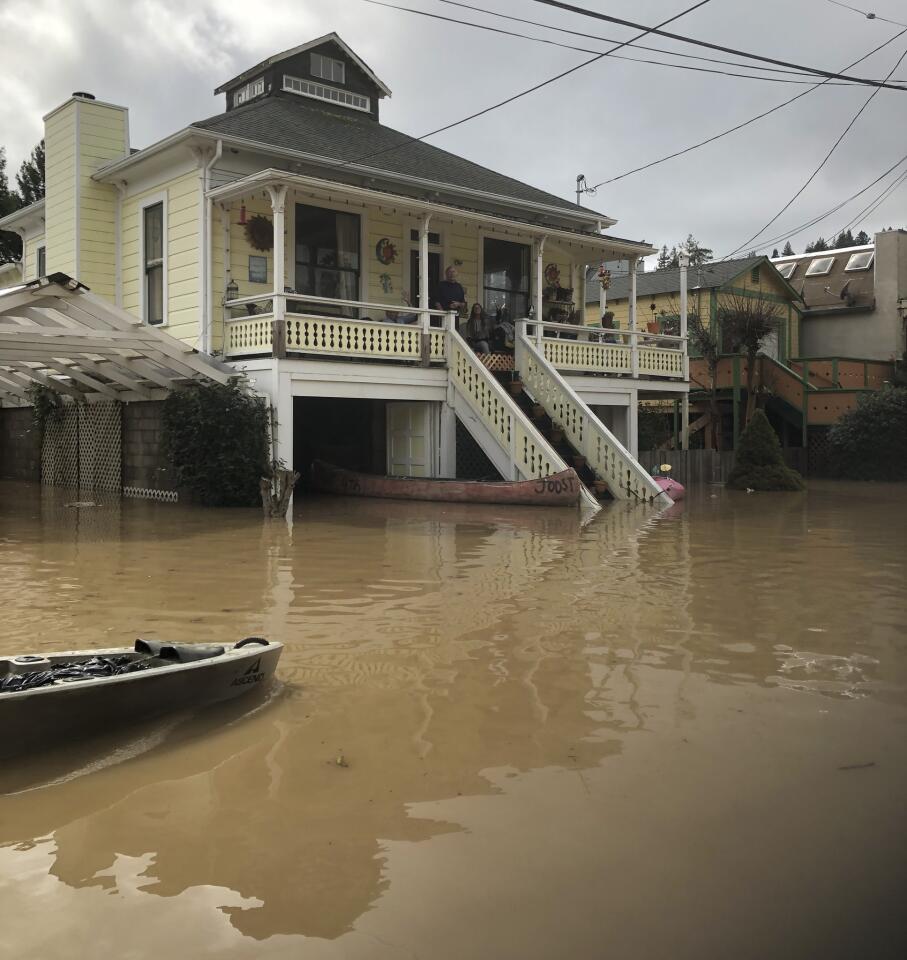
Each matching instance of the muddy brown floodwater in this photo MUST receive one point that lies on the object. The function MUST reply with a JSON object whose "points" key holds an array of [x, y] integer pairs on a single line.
{"points": [[667, 736]]}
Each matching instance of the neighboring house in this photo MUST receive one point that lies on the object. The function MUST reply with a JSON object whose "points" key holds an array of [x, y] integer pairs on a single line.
{"points": [[709, 288], [855, 298], [285, 234]]}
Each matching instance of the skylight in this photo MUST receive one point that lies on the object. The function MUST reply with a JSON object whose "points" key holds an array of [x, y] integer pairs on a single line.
{"points": [[321, 91], [820, 266], [787, 269], [860, 261]]}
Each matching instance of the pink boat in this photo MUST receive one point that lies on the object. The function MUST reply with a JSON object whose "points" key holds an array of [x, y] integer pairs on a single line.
{"points": [[676, 491]]}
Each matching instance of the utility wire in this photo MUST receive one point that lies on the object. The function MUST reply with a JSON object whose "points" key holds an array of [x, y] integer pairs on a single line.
{"points": [[825, 159], [866, 211], [569, 7], [740, 126], [617, 56], [863, 13], [638, 46], [523, 93]]}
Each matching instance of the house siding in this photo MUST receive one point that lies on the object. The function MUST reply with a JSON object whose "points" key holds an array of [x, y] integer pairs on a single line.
{"points": [[60, 207], [30, 256]]}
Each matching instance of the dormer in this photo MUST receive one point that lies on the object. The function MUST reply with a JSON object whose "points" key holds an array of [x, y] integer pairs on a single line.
{"points": [[325, 70]]}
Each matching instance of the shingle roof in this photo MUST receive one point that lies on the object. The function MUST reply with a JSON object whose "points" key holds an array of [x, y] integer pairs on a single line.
{"points": [[651, 284], [342, 135], [837, 288]]}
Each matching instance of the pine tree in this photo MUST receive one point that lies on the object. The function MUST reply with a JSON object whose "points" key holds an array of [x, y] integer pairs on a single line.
{"points": [[775, 254], [30, 177], [697, 252], [809, 248], [844, 239], [820, 245], [758, 463], [862, 238], [10, 243], [664, 258], [788, 250]]}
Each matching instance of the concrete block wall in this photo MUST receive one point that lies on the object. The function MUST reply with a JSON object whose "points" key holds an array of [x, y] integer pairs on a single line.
{"points": [[20, 445], [144, 464]]}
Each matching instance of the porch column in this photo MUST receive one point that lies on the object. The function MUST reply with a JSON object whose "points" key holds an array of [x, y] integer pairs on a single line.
{"points": [[447, 440], [278, 197], [685, 399], [424, 303], [633, 424], [631, 323], [602, 295], [539, 277]]}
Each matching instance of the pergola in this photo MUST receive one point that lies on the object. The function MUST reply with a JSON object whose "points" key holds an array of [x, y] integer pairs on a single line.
{"points": [[56, 333]]}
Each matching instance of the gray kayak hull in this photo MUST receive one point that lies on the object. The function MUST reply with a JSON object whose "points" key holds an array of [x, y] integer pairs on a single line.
{"points": [[52, 716]]}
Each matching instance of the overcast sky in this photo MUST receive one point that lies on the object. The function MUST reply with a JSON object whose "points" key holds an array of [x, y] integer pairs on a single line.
{"points": [[163, 58]]}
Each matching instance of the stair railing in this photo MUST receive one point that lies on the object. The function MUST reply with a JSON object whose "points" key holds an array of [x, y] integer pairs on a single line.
{"points": [[610, 460], [530, 455]]}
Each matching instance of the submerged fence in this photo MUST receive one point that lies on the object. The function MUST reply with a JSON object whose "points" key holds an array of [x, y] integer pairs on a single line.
{"points": [[695, 467]]}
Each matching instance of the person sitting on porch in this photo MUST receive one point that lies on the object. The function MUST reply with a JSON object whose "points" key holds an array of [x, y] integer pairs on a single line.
{"points": [[504, 332], [451, 295], [478, 329], [608, 324], [392, 316]]}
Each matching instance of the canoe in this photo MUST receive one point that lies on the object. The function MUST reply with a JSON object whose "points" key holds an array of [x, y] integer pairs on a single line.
{"points": [[676, 491], [47, 700], [558, 490]]}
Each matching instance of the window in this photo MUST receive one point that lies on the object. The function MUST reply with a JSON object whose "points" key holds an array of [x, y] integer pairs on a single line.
{"points": [[820, 266], [860, 261], [434, 239], [506, 279], [253, 89], [258, 269], [319, 91], [787, 269], [42, 261], [754, 275], [153, 265], [327, 253], [328, 69]]}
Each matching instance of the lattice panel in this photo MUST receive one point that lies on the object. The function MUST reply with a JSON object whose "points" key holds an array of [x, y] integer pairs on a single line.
{"points": [[497, 362], [100, 446], [149, 493], [818, 450], [472, 464], [60, 449]]}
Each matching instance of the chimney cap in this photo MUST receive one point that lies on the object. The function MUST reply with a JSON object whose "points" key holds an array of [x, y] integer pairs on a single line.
{"points": [[83, 95]]}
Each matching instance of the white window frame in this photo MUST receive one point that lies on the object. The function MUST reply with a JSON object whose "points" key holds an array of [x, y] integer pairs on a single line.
{"points": [[40, 250], [317, 62], [254, 88], [146, 202], [817, 272], [852, 269], [790, 267], [321, 91]]}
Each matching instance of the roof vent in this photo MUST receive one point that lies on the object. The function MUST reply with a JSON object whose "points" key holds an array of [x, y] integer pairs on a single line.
{"points": [[83, 95]]}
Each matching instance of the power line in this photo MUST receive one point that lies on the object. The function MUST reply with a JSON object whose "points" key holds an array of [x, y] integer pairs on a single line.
{"points": [[825, 159], [872, 207], [715, 46], [523, 93], [638, 46], [863, 13], [745, 123], [569, 46]]}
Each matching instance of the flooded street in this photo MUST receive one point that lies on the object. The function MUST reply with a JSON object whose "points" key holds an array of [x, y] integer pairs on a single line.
{"points": [[676, 735]]}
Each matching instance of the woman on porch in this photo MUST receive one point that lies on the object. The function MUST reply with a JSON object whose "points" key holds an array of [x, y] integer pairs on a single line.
{"points": [[478, 329]]}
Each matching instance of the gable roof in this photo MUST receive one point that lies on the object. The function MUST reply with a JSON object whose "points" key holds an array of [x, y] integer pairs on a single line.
{"points": [[293, 51], [347, 140], [707, 277]]}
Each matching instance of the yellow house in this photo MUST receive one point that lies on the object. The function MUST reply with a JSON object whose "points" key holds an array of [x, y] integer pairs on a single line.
{"points": [[293, 235]]}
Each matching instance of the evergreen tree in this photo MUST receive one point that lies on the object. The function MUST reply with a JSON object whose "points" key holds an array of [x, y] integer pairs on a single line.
{"points": [[862, 238], [664, 258], [845, 239], [30, 177], [809, 248], [869, 442], [775, 254], [820, 245], [758, 464], [10, 243], [698, 253], [788, 250]]}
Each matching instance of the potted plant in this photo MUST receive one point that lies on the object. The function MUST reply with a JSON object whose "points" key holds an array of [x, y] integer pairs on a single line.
{"points": [[557, 433], [538, 411], [515, 385]]}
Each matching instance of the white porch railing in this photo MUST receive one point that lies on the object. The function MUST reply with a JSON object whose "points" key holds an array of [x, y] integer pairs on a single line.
{"points": [[529, 455], [605, 454], [304, 332], [586, 349]]}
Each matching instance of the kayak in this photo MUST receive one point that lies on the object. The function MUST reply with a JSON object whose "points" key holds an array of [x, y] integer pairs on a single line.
{"points": [[47, 700]]}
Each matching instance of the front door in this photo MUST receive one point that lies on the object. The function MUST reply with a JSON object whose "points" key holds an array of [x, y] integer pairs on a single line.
{"points": [[434, 277], [409, 440]]}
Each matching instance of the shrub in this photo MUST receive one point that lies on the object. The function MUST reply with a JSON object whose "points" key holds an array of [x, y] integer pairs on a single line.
{"points": [[870, 441], [216, 437], [759, 464]]}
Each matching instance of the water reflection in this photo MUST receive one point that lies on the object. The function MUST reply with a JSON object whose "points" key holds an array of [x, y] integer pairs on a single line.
{"points": [[446, 655]]}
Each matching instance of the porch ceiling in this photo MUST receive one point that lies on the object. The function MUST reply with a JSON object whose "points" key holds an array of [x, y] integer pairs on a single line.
{"points": [[594, 246], [56, 333]]}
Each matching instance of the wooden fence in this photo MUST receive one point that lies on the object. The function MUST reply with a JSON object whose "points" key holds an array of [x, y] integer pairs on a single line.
{"points": [[697, 467]]}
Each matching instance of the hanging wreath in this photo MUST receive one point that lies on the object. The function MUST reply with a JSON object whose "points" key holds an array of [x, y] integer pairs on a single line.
{"points": [[552, 275], [385, 251], [260, 232]]}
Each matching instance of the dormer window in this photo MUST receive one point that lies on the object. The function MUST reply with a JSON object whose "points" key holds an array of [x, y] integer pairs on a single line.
{"points": [[321, 91], [328, 69], [254, 88]]}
